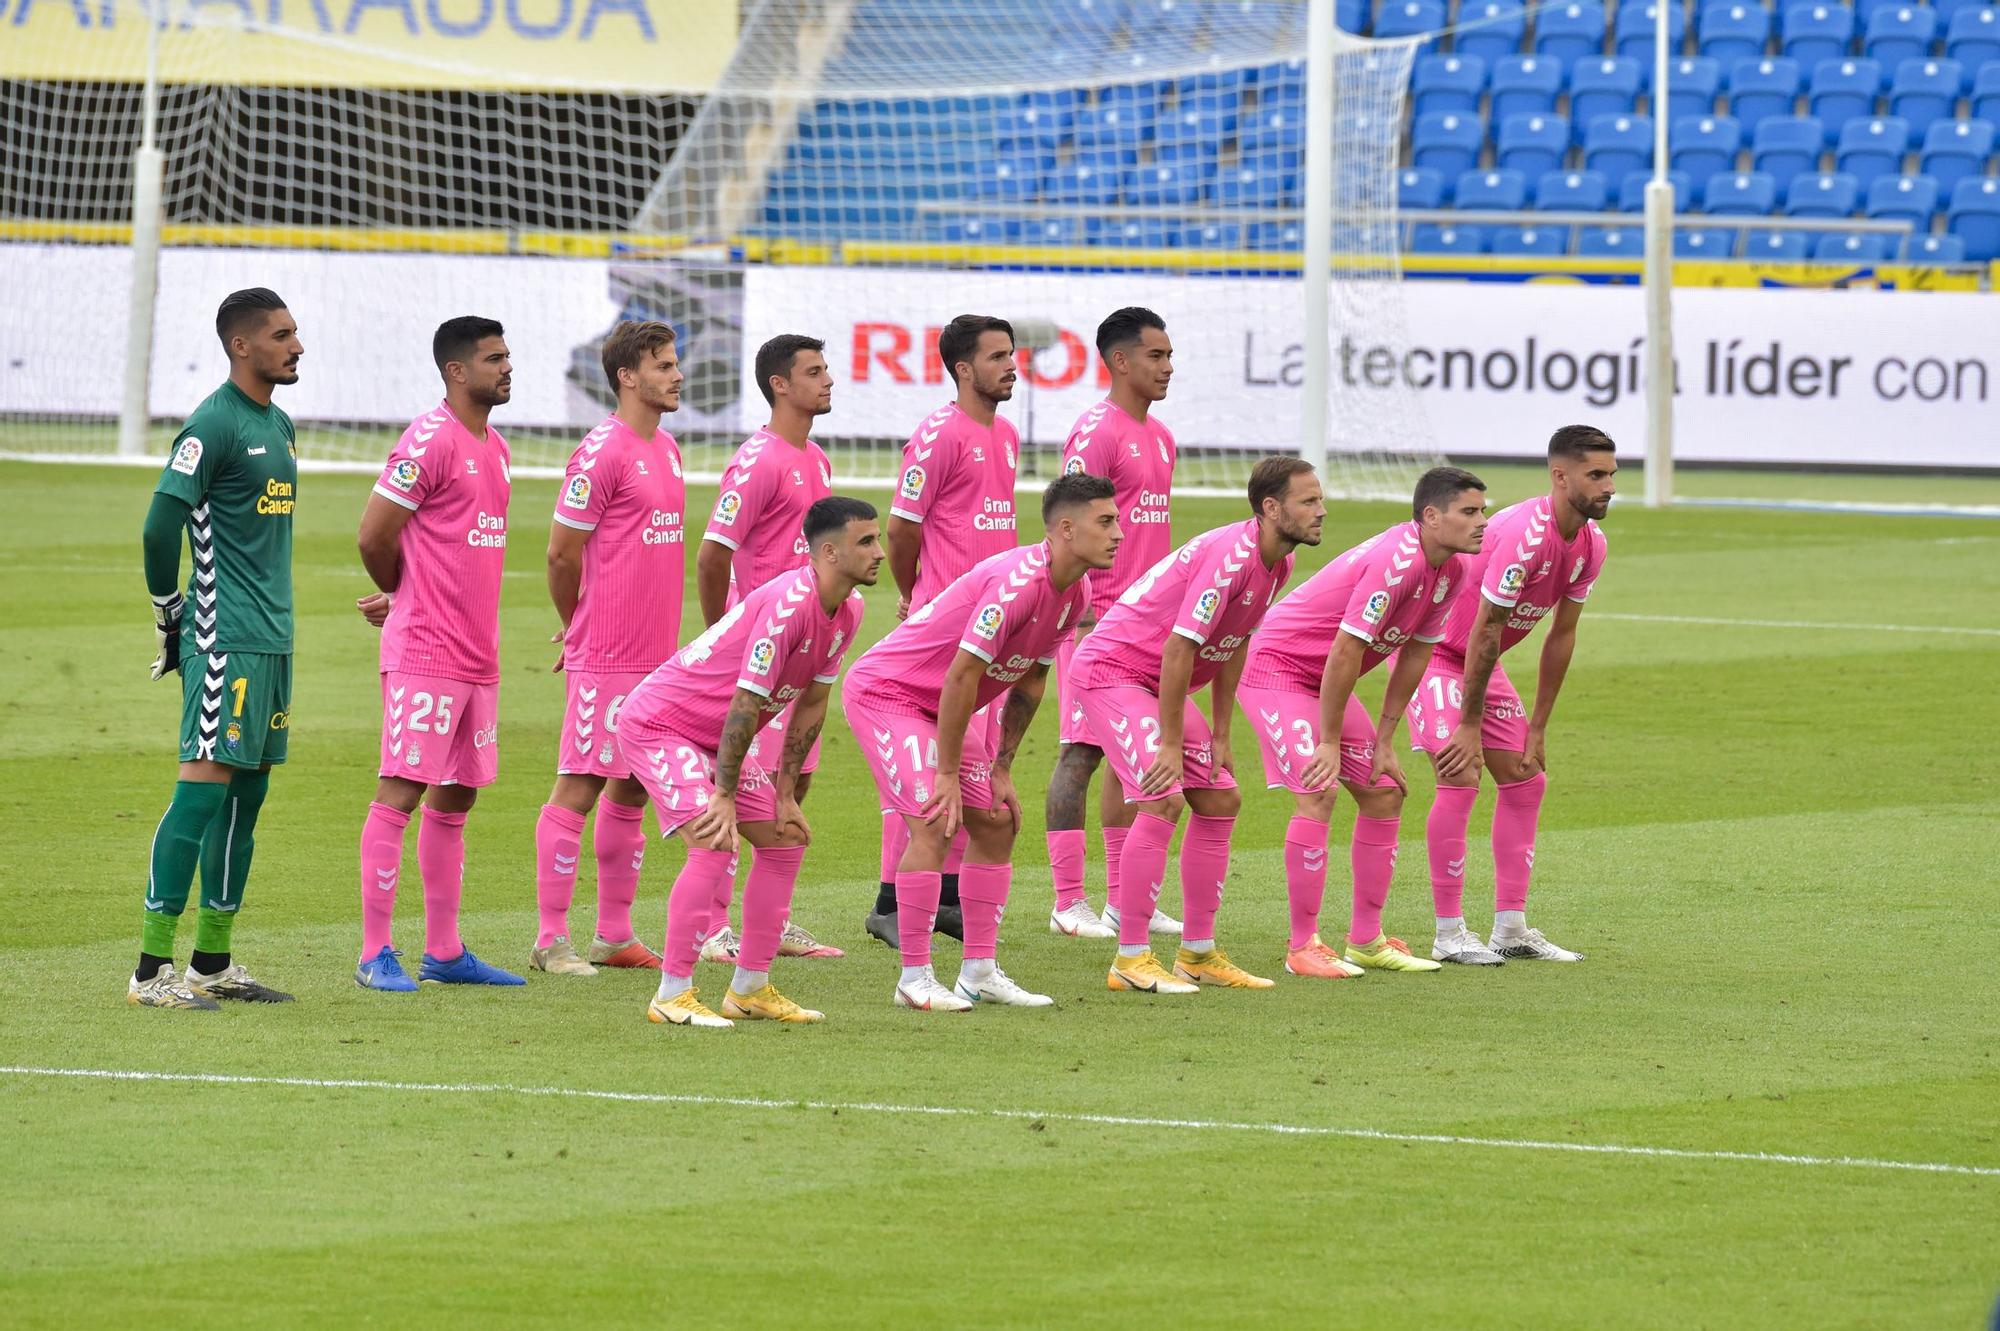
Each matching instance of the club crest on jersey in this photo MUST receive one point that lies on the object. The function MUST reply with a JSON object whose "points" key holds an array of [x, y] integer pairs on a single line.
{"points": [[1163, 451], [913, 483], [1206, 605], [577, 493], [839, 641], [1512, 578], [825, 476], [675, 463], [404, 475], [763, 654], [232, 738], [1577, 572], [727, 507], [187, 457], [987, 622], [1073, 467], [1444, 585], [414, 754], [1378, 606], [1007, 452]]}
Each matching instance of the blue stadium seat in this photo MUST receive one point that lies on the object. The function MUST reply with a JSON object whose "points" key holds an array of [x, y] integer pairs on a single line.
{"points": [[1139, 233], [1786, 146], [1011, 178], [1738, 194], [1948, 10], [1431, 238], [1572, 192], [1447, 143], [1180, 141], [1817, 31], [1760, 89], [1911, 198], [1447, 83], [1350, 15], [1692, 82], [1864, 10], [1118, 123], [1632, 32], [1275, 236], [1956, 149], [1777, 246], [1569, 32], [1165, 184], [1417, 187], [1053, 231], [1280, 124], [1704, 146], [1081, 183], [1986, 94], [1732, 30], [1181, 21], [1872, 148], [1490, 29], [1282, 81], [1107, 157], [1974, 217], [1605, 86], [1933, 249], [1632, 191], [1834, 195], [1026, 125], [1410, 18], [1853, 247], [1898, 33], [1525, 85], [1610, 242], [1704, 242], [1922, 92], [1264, 180], [1843, 90], [1497, 191], [1532, 144], [1542, 240], [973, 230], [1973, 39], [1616, 146]]}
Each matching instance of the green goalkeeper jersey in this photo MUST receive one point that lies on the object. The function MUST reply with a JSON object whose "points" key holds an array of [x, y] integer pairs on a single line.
{"points": [[235, 464]]}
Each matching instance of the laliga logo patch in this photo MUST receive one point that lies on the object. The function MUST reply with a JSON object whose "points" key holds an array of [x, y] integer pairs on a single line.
{"points": [[727, 507], [1378, 605], [762, 654], [1205, 607], [187, 457], [1511, 579], [987, 623], [404, 475], [577, 493], [1444, 585], [913, 483], [1074, 467]]}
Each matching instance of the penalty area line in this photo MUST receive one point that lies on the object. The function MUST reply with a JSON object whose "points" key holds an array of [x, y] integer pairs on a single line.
{"points": [[1961, 630], [1030, 1115]]}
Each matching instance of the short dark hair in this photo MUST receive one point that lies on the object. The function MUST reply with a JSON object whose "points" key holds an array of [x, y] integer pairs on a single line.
{"points": [[239, 308], [456, 339], [775, 358], [1121, 328], [959, 339], [832, 514], [1437, 487], [1272, 477], [1075, 490], [630, 342], [1573, 441]]}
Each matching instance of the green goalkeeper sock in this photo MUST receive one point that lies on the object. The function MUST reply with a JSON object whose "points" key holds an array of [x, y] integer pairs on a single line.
{"points": [[229, 843], [176, 854]]}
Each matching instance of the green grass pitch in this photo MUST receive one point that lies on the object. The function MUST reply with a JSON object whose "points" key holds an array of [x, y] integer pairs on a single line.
{"points": [[1775, 844]]}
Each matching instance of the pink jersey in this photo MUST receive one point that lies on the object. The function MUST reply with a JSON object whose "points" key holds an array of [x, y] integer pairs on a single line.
{"points": [[774, 642], [1006, 612], [628, 493], [1213, 591], [445, 620], [1138, 458], [761, 513], [1383, 591], [958, 476], [1524, 567]]}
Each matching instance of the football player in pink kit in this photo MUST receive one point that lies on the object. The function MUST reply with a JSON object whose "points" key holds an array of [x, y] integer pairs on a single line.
{"points": [[1385, 597], [1202, 602], [912, 699], [1541, 556], [692, 728], [434, 539], [617, 566], [958, 481], [1118, 438]]}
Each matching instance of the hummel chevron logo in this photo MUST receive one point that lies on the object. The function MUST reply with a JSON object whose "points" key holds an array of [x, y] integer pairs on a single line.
{"points": [[385, 879], [1456, 868], [588, 695], [1315, 860], [396, 694]]}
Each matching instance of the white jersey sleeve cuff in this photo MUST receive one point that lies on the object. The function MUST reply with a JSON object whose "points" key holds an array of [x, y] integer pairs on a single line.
{"points": [[573, 523], [1504, 605], [754, 687], [722, 541], [1418, 637], [979, 652], [1362, 634], [827, 679], [906, 515], [400, 501], [1578, 599], [1190, 635]]}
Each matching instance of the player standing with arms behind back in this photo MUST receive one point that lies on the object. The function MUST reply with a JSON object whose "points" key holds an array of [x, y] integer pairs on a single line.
{"points": [[1120, 439], [434, 539], [231, 482], [617, 569]]}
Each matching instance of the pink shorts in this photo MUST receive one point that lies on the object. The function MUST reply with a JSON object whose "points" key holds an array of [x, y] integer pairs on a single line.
{"points": [[902, 752], [1129, 716], [1288, 731], [589, 743], [1434, 709], [441, 732], [679, 776], [1071, 726]]}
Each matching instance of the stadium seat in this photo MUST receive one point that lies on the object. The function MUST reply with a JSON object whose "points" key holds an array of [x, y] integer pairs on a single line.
{"points": [[1280, 81], [1114, 124], [1933, 249], [1923, 92], [1853, 247], [1738, 194], [1974, 217], [1496, 191], [1569, 32], [1899, 32], [1282, 236], [1632, 191], [1872, 148], [1833, 195], [1760, 89], [1704, 242], [1843, 90], [1732, 30], [1080, 183], [1139, 233], [1281, 124], [1532, 144], [1986, 94], [1572, 192], [1107, 157], [1954, 150], [1211, 236], [1973, 39], [1417, 187], [1610, 242], [1606, 86], [1490, 29], [1777, 246], [1164, 184], [1432, 238], [1265, 180], [1704, 146], [1785, 147], [1632, 32], [1910, 198], [1348, 15], [1011, 178], [1054, 231], [1814, 32], [1044, 127], [1692, 82], [1447, 83], [1525, 85], [1616, 146], [1948, 10], [1447, 143], [1545, 240], [1410, 18]]}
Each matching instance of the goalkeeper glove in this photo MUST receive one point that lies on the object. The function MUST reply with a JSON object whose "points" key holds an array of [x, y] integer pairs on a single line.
{"points": [[167, 634]]}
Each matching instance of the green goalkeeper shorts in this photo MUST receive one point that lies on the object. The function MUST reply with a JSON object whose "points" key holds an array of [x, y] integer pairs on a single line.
{"points": [[236, 708]]}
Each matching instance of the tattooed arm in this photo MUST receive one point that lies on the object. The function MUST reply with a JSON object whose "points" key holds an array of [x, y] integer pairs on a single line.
{"points": [[715, 826]]}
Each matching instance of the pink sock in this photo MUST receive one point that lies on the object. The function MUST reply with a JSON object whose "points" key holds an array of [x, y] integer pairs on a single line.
{"points": [[381, 865], [954, 857], [621, 848], [895, 840], [558, 838], [982, 895], [441, 863], [1514, 818], [1204, 870], [1142, 867], [690, 904], [724, 890], [1114, 857], [1444, 836], [1066, 851], [1305, 876], [916, 911], [767, 903], [1373, 859]]}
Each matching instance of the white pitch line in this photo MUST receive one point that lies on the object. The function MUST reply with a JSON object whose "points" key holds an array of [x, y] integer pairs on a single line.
{"points": [[1961, 630], [962, 1111]]}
